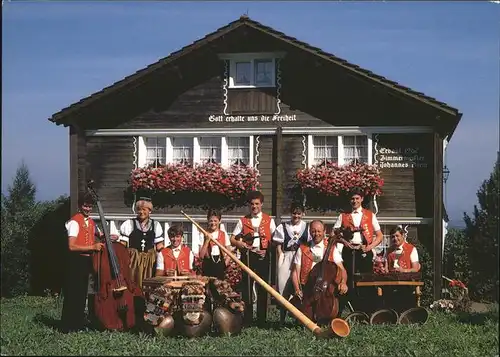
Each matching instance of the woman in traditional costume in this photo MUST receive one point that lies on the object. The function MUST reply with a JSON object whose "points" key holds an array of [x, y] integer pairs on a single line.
{"points": [[144, 238], [288, 237]]}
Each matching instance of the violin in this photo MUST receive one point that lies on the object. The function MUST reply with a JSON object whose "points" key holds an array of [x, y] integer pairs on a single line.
{"points": [[114, 300], [320, 301]]}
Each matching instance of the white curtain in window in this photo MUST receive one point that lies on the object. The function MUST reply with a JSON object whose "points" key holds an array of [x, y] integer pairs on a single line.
{"points": [[156, 150], [355, 147], [182, 150], [210, 149], [263, 71], [243, 73], [238, 150], [325, 147]]}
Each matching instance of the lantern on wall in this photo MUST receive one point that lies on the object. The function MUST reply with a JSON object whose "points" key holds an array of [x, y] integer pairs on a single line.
{"points": [[446, 173]]}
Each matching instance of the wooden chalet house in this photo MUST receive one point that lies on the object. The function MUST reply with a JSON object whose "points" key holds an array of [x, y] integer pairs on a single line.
{"points": [[247, 93]]}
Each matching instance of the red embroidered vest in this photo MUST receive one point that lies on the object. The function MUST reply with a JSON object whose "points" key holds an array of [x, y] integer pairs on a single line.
{"points": [[86, 234], [366, 224], [181, 264], [307, 260], [264, 229], [404, 260], [221, 238]]}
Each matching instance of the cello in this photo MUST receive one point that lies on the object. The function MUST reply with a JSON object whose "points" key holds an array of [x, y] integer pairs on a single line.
{"points": [[320, 294], [114, 299]]}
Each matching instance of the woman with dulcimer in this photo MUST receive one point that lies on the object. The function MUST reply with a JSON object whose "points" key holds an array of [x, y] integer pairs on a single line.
{"points": [[318, 275]]}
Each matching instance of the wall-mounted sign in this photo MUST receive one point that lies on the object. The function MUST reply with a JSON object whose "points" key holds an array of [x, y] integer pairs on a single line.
{"points": [[401, 157], [251, 118]]}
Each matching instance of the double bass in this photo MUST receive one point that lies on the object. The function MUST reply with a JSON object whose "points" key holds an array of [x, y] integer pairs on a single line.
{"points": [[320, 300], [114, 299]]}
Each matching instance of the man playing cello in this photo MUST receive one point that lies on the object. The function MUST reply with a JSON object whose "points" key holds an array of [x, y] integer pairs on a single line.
{"points": [[252, 236], [311, 253]]}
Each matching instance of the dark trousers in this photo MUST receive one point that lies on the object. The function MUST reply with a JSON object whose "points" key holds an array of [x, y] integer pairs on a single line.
{"points": [[355, 263], [261, 268], [75, 291], [211, 268]]}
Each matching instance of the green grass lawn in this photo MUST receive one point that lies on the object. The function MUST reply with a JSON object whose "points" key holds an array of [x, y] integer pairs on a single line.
{"points": [[26, 330]]}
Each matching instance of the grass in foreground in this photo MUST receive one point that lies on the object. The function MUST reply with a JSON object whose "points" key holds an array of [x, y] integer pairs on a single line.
{"points": [[25, 330]]}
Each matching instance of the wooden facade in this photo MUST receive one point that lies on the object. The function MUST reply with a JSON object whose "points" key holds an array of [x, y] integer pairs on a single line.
{"points": [[315, 94]]}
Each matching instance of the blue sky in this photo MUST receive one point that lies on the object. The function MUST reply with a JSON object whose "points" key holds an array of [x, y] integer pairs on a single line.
{"points": [[55, 53]]}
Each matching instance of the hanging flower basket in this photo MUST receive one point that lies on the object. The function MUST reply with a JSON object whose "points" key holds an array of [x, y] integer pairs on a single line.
{"points": [[203, 186], [327, 185]]}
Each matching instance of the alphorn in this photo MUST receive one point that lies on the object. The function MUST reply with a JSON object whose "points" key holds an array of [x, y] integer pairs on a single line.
{"points": [[338, 327]]}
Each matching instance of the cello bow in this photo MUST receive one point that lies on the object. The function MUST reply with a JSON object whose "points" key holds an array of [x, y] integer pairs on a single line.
{"points": [[308, 323]]}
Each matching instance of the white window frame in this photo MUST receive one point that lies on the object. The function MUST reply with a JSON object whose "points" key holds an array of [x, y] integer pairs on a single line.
{"points": [[340, 147], [250, 57], [142, 150]]}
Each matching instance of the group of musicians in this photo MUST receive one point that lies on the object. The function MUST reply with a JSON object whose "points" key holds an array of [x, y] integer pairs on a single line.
{"points": [[299, 247]]}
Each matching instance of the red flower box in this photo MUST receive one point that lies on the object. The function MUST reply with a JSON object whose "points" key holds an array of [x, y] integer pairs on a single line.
{"points": [[331, 179], [233, 183]]}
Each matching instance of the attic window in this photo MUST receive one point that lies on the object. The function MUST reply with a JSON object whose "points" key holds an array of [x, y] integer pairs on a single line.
{"points": [[252, 70]]}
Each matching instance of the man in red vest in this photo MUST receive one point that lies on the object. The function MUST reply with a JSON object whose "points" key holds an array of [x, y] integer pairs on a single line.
{"points": [[402, 256], [81, 242], [176, 259], [252, 236], [359, 232], [309, 254]]}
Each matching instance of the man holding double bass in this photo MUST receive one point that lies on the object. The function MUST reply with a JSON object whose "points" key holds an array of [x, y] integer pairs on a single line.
{"points": [[82, 243], [252, 236]]}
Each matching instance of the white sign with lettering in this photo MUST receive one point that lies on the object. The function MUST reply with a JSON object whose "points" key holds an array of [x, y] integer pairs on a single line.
{"points": [[251, 118], [401, 158]]}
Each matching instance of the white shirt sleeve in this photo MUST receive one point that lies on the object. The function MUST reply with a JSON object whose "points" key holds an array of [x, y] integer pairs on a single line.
{"points": [[158, 233], [339, 248], [414, 255], [239, 227], [338, 224], [297, 259], [112, 230], [279, 234], [375, 224], [191, 260], [337, 257], [72, 228], [159, 261], [126, 229], [272, 226], [201, 239]]}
